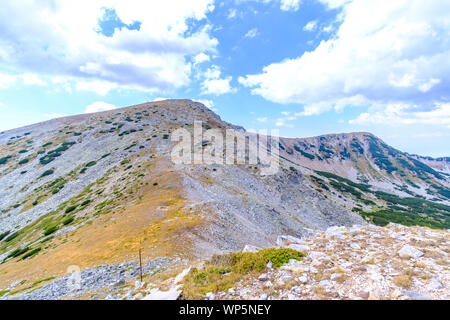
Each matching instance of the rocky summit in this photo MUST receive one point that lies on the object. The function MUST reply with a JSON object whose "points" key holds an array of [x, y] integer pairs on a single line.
{"points": [[82, 198]]}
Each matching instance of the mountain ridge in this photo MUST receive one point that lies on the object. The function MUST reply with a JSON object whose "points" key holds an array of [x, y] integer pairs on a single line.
{"points": [[93, 189]]}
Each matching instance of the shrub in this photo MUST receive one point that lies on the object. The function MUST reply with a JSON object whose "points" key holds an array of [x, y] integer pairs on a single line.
{"points": [[71, 208], [31, 253], [23, 161], [3, 235], [12, 237], [91, 163], [47, 173], [50, 230], [237, 266], [47, 144], [17, 252], [68, 220], [85, 202], [166, 136], [4, 159], [126, 161]]}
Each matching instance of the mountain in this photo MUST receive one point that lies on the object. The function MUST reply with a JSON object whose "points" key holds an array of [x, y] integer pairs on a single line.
{"points": [[93, 189]]}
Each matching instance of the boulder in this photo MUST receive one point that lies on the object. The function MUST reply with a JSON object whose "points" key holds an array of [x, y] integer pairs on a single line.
{"points": [[410, 252]]}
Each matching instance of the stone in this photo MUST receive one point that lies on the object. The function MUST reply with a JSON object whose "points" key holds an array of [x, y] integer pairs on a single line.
{"points": [[287, 240], [336, 232], [303, 279], [410, 252], [263, 296], [416, 295], [268, 284], [231, 291], [325, 283], [210, 296], [269, 265], [299, 247], [263, 277], [434, 285], [250, 248], [121, 282], [138, 285], [335, 276]]}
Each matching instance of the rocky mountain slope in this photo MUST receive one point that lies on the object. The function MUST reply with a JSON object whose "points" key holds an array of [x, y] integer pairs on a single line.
{"points": [[93, 189]]}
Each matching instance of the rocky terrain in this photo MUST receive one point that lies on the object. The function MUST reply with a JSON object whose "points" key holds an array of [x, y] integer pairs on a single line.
{"points": [[91, 190]]}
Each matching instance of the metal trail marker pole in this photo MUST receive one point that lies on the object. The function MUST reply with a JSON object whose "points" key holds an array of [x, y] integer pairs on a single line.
{"points": [[140, 263]]}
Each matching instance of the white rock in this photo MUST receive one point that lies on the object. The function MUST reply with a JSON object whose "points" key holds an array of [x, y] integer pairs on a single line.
{"points": [[299, 247], [434, 285], [286, 240], [335, 276], [138, 285], [303, 279], [231, 291], [269, 265], [291, 297], [268, 284], [156, 294], [325, 283], [336, 232], [410, 252], [263, 277], [355, 246], [263, 297], [210, 296], [250, 248]]}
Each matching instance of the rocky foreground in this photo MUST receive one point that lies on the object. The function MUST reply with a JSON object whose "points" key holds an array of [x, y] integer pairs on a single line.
{"points": [[359, 262]]}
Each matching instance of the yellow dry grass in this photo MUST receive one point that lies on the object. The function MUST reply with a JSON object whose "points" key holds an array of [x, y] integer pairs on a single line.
{"points": [[117, 237]]}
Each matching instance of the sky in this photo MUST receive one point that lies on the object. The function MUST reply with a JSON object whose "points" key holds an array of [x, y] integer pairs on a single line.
{"points": [[304, 67]]}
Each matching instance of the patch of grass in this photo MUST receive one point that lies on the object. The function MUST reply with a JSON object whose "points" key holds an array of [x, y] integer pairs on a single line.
{"points": [[3, 235], [12, 237], [50, 230], [31, 253], [71, 208], [223, 271], [68, 220]]}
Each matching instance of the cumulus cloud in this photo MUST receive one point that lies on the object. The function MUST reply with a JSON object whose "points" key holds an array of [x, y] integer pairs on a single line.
{"points": [[7, 80], [153, 57], [395, 114], [99, 106], [383, 52], [214, 84], [288, 5], [310, 26], [200, 58]]}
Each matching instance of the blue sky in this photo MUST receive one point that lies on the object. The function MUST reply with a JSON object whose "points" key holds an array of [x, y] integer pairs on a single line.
{"points": [[306, 67]]}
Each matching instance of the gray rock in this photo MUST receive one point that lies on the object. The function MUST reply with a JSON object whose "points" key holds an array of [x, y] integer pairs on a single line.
{"points": [[410, 252], [416, 295]]}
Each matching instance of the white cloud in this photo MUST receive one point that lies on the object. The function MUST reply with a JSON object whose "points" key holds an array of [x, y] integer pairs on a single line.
{"points": [[232, 13], [251, 33], [288, 5], [384, 52], [30, 79], [263, 120], [213, 84], [200, 58], [310, 26], [98, 86], [395, 114], [99, 106], [208, 103], [59, 38]]}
